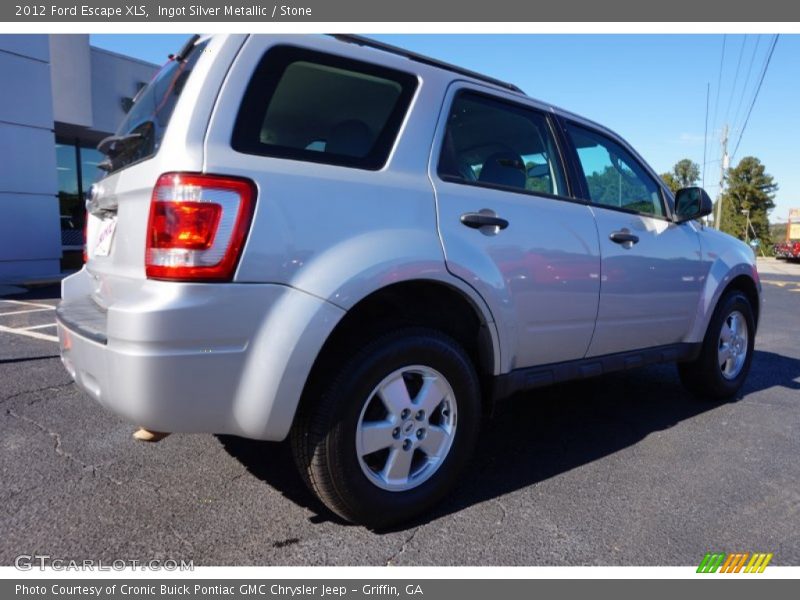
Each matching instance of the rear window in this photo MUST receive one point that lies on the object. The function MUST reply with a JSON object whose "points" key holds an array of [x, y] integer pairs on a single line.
{"points": [[310, 106], [152, 110]]}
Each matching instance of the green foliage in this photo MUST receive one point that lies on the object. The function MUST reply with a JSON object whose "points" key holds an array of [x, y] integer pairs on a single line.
{"points": [[671, 182], [540, 183], [777, 232], [685, 173], [613, 188], [748, 187]]}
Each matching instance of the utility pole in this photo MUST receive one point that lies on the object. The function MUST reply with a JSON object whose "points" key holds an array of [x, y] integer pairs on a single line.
{"points": [[723, 167]]}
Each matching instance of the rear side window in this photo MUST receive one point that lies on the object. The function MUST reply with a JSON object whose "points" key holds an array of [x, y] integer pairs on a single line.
{"points": [[490, 142], [152, 109], [311, 106]]}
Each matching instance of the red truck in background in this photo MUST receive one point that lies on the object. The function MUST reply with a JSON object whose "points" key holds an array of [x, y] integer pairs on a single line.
{"points": [[790, 248]]}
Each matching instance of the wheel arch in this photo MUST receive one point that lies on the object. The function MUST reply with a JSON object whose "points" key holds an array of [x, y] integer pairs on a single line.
{"points": [[432, 303], [746, 285], [721, 279]]}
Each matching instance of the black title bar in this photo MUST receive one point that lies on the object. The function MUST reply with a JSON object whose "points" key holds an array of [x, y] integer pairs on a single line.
{"points": [[333, 11]]}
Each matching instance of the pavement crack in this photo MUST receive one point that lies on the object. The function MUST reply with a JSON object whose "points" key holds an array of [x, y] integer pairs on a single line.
{"points": [[503, 510], [498, 524], [180, 538], [396, 555], [59, 450], [47, 388]]}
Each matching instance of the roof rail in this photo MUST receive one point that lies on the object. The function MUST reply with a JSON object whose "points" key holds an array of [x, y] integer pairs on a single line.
{"points": [[421, 58]]}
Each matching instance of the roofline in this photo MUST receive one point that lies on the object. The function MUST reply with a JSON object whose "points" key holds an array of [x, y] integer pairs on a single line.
{"points": [[423, 59], [124, 57]]}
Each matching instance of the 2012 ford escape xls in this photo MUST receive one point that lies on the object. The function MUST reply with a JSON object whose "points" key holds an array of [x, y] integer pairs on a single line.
{"points": [[362, 248]]}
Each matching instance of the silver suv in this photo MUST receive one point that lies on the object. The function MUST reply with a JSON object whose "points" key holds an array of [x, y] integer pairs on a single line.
{"points": [[363, 249]]}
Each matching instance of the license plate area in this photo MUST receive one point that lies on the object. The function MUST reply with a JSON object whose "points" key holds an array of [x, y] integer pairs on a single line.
{"points": [[105, 237]]}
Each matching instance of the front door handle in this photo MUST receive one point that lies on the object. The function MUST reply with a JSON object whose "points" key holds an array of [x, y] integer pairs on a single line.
{"points": [[624, 237], [480, 219]]}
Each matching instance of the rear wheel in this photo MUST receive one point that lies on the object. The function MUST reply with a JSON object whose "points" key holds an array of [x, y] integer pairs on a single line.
{"points": [[388, 436], [724, 360]]}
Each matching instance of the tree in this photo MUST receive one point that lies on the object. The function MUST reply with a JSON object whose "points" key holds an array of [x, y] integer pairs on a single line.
{"points": [[671, 182], [613, 187], [685, 173], [749, 188]]}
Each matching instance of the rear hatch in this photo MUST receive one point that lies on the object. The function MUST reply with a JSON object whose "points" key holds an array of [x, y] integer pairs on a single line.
{"points": [[119, 203]]}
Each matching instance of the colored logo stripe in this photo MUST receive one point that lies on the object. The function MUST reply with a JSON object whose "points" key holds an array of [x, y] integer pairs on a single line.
{"points": [[733, 563], [711, 562], [758, 563]]}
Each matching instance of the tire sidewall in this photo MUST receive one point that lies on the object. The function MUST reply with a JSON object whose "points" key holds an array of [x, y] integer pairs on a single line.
{"points": [[730, 303], [358, 380]]}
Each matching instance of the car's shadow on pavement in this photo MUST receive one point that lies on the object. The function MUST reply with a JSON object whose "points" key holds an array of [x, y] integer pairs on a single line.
{"points": [[541, 434]]}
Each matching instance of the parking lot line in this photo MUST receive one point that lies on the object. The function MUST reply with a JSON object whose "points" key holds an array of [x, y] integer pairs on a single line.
{"points": [[38, 326], [25, 303], [31, 334], [29, 310]]}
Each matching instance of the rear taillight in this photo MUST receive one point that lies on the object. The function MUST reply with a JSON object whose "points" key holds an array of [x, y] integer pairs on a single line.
{"points": [[198, 225]]}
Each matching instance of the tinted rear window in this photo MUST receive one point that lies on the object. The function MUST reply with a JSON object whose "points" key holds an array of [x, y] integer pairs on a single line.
{"points": [[311, 106], [153, 108]]}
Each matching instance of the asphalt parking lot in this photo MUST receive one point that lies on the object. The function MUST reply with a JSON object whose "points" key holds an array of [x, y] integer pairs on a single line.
{"points": [[621, 470]]}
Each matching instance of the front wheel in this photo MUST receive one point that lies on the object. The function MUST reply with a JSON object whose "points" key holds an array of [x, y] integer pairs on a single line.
{"points": [[724, 361], [389, 435]]}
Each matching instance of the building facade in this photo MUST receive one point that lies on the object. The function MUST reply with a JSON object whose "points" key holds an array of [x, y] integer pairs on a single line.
{"points": [[61, 96]]}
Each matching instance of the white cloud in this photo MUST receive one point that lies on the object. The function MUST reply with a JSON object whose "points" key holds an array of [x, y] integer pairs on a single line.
{"points": [[690, 139]]}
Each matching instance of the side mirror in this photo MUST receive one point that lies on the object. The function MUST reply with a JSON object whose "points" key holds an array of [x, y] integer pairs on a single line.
{"points": [[692, 203], [537, 171]]}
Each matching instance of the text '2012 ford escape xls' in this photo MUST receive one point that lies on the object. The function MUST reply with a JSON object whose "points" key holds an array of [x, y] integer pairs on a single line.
{"points": [[362, 248]]}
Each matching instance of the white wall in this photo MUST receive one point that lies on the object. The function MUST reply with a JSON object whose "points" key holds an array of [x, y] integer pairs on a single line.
{"points": [[72, 79], [30, 238], [60, 82], [114, 77]]}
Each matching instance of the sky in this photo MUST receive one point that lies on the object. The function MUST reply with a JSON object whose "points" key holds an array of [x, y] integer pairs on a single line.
{"points": [[651, 89]]}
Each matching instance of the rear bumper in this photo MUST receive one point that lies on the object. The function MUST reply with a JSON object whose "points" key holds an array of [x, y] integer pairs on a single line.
{"points": [[215, 358]]}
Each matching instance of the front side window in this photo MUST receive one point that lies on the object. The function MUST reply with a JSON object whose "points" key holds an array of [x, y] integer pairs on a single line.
{"points": [[614, 178], [311, 106], [491, 142]]}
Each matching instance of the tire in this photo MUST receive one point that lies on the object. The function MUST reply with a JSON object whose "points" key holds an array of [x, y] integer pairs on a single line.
{"points": [[708, 377], [374, 401]]}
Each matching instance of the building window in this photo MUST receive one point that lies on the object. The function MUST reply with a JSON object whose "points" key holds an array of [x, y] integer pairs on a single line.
{"points": [[77, 170]]}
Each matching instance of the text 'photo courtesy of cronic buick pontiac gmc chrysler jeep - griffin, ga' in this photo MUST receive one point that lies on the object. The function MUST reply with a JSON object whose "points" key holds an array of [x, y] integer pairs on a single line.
{"points": [[362, 249]]}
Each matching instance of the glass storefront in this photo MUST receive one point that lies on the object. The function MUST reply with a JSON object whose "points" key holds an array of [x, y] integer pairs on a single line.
{"points": [[77, 170]]}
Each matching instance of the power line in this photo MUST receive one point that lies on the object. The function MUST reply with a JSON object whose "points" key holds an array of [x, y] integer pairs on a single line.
{"points": [[747, 80], [755, 97], [705, 135], [719, 82], [735, 78]]}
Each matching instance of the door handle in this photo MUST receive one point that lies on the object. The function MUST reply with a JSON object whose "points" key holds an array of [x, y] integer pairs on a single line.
{"points": [[480, 219], [624, 237]]}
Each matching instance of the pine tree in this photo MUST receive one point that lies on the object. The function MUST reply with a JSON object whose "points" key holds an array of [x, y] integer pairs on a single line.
{"points": [[749, 187]]}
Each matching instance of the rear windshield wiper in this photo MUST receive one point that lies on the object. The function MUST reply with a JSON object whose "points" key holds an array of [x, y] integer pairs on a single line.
{"points": [[114, 144], [187, 48]]}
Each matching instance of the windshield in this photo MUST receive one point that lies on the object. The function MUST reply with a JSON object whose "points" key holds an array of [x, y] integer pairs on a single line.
{"points": [[142, 130]]}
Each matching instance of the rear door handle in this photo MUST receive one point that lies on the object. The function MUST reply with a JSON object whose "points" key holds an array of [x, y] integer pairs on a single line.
{"points": [[479, 219], [624, 237]]}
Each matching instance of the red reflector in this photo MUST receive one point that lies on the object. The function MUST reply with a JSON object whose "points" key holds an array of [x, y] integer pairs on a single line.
{"points": [[198, 225], [85, 229], [189, 225]]}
